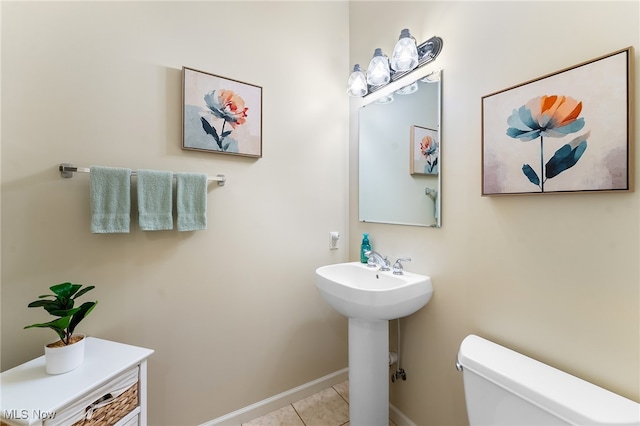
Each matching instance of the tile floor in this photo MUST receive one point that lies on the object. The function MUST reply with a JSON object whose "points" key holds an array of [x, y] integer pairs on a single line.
{"points": [[329, 407]]}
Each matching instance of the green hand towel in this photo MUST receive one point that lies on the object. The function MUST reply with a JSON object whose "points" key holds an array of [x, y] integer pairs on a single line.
{"points": [[155, 200], [110, 192], [191, 201]]}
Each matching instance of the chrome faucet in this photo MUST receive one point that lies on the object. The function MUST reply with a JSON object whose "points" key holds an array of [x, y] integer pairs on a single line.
{"points": [[397, 267], [375, 258]]}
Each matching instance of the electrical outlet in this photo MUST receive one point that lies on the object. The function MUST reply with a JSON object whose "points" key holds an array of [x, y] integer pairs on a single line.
{"points": [[334, 237]]}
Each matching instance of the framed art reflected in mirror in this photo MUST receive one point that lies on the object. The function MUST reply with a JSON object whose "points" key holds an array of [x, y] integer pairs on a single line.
{"points": [[424, 151]]}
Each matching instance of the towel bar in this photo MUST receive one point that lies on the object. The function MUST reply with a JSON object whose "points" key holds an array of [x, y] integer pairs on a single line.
{"points": [[67, 171]]}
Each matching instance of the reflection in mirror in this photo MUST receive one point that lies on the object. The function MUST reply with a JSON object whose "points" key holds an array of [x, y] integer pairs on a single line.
{"points": [[399, 150]]}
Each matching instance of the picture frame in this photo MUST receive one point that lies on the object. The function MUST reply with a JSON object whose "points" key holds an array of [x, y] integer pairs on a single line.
{"points": [[425, 151], [566, 132], [220, 115]]}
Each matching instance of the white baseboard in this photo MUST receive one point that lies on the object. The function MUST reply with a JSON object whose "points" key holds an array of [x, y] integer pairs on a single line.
{"points": [[276, 402], [399, 418], [280, 400]]}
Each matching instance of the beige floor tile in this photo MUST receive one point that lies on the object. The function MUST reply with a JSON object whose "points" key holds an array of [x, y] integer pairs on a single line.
{"points": [[326, 408], [286, 416], [343, 389]]}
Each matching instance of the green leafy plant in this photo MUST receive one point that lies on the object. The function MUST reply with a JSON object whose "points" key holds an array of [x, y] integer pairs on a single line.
{"points": [[62, 306]]}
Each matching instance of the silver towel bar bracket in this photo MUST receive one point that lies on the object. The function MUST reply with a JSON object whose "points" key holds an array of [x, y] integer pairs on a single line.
{"points": [[67, 170]]}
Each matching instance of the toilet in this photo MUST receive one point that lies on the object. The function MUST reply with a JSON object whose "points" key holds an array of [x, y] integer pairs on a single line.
{"points": [[504, 387]]}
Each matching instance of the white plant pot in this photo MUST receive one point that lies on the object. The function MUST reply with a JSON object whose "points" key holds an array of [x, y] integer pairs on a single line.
{"points": [[63, 359]]}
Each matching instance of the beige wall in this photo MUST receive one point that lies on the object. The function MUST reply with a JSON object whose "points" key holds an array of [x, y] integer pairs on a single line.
{"points": [[555, 277], [232, 312]]}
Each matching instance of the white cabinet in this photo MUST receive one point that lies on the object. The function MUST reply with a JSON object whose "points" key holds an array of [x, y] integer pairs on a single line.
{"points": [[109, 388]]}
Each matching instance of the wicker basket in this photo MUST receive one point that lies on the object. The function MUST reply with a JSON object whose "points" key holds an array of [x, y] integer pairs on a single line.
{"points": [[112, 413]]}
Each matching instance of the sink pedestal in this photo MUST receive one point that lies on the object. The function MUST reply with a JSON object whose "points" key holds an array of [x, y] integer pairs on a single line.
{"points": [[368, 372], [370, 298]]}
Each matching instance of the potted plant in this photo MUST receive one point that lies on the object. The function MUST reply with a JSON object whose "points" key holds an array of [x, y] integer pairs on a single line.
{"points": [[66, 353]]}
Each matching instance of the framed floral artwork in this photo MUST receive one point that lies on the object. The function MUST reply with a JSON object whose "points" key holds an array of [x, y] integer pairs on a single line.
{"points": [[220, 114], [425, 151], [566, 132]]}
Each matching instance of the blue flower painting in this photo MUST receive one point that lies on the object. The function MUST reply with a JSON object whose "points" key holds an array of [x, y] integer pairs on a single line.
{"points": [[555, 117]]}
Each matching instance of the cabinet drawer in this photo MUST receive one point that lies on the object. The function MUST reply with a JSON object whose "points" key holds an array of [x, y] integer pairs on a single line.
{"points": [[103, 406]]}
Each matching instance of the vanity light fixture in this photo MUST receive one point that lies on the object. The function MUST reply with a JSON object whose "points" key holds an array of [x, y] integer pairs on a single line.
{"points": [[385, 99], [434, 77], [382, 71], [408, 89]]}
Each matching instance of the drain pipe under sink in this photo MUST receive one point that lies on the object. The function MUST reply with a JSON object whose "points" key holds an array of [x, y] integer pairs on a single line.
{"points": [[400, 373]]}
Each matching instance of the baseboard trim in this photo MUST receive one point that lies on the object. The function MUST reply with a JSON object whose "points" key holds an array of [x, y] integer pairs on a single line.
{"points": [[281, 400], [266, 406], [399, 418]]}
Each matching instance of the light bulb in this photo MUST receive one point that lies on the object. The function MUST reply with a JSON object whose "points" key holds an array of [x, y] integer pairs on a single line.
{"points": [[378, 71], [357, 83], [405, 53]]}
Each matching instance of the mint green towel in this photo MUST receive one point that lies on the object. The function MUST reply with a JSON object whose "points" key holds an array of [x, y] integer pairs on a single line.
{"points": [[110, 191], [191, 201], [155, 200]]}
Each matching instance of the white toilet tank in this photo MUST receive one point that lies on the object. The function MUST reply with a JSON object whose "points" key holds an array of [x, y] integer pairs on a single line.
{"points": [[503, 387]]}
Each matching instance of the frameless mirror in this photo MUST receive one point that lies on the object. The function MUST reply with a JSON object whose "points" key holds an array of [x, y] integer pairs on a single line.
{"points": [[399, 154]]}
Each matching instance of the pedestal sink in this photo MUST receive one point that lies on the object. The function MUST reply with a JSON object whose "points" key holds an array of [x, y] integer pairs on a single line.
{"points": [[370, 298]]}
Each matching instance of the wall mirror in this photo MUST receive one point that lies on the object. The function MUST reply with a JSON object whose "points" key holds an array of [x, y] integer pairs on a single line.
{"points": [[399, 141]]}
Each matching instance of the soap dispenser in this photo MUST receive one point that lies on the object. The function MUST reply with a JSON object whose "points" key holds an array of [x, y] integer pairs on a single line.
{"points": [[364, 247]]}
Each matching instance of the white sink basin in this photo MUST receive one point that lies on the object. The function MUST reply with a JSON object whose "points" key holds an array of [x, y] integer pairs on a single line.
{"points": [[357, 291]]}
